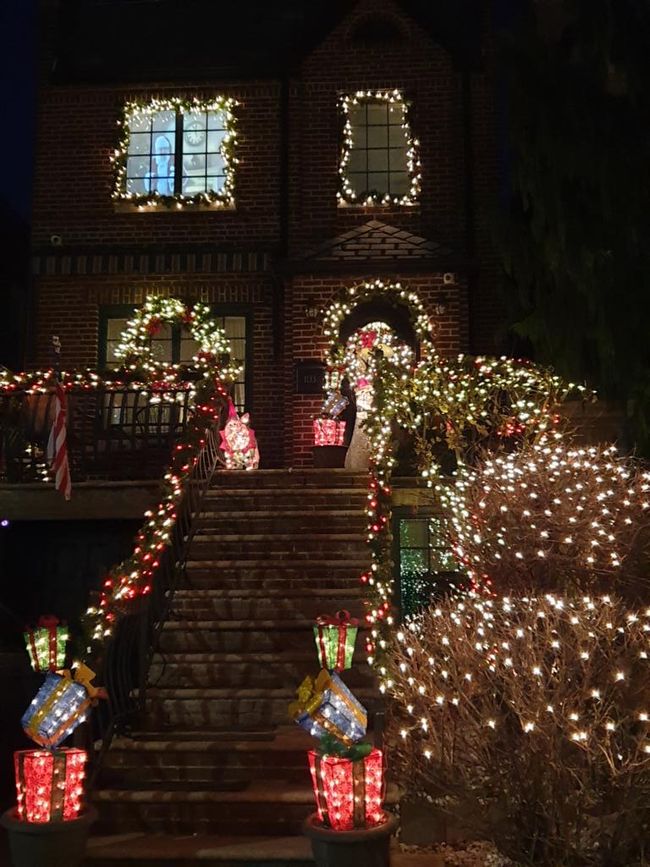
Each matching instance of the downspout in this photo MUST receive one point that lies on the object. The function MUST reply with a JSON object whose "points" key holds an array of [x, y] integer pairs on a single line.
{"points": [[469, 197], [283, 249]]}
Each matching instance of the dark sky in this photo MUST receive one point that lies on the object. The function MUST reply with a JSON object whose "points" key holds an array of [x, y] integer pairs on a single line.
{"points": [[17, 102]]}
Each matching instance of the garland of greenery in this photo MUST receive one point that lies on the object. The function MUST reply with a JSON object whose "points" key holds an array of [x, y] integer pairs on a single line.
{"points": [[134, 110]]}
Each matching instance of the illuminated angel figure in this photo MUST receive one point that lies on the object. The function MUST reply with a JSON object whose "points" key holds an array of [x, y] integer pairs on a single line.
{"points": [[238, 442], [363, 348]]}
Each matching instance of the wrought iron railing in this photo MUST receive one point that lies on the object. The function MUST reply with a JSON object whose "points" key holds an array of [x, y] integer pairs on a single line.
{"points": [[125, 665], [112, 432]]}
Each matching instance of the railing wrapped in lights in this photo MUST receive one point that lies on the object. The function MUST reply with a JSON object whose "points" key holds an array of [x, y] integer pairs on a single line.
{"points": [[117, 429], [122, 625]]}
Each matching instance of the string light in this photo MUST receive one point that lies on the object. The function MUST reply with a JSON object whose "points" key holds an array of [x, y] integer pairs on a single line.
{"points": [[328, 432], [346, 193], [135, 112], [348, 793], [49, 784]]}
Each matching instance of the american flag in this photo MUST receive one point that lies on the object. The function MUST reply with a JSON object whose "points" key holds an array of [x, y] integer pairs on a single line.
{"points": [[57, 449]]}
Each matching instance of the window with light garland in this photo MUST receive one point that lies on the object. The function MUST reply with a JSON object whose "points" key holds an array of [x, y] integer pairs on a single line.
{"points": [[379, 161], [426, 568], [174, 344], [175, 152]]}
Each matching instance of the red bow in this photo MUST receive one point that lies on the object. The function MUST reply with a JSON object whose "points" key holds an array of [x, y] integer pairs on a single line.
{"points": [[48, 621], [341, 618]]}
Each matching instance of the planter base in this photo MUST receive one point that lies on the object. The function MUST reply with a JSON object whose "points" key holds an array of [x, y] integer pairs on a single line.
{"points": [[363, 847], [330, 457], [50, 844]]}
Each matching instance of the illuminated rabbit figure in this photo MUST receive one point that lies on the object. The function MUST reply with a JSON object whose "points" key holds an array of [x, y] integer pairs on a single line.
{"points": [[238, 442]]}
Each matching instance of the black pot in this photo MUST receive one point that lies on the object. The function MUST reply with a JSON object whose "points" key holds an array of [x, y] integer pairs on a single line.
{"points": [[363, 847], [48, 844], [330, 457]]}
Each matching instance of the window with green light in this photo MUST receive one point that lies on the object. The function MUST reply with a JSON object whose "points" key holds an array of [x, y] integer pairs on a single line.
{"points": [[426, 567]]}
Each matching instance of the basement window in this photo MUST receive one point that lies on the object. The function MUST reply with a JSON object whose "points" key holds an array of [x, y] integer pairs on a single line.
{"points": [[426, 567], [175, 153]]}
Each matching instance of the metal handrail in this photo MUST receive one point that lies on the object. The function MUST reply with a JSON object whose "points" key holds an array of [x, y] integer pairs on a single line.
{"points": [[125, 666]]}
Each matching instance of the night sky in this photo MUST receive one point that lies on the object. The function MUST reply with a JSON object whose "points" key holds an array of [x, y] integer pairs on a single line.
{"points": [[17, 102]]}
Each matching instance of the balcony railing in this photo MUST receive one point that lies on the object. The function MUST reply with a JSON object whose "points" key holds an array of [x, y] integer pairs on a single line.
{"points": [[113, 433]]}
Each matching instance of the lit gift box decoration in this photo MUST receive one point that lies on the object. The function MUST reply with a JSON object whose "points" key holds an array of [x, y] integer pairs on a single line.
{"points": [[49, 784], [328, 432], [326, 706], [349, 793], [335, 638], [334, 404], [46, 644], [59, 706]]}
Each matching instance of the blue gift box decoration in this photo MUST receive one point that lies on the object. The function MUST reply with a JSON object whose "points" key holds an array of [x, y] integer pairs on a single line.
{"points": [[326, 706], [57, 709]]}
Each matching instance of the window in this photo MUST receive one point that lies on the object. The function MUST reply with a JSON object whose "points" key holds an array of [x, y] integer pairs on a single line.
{"points": [[176, 152], [379, 162], [426, 567], [174, 343]]}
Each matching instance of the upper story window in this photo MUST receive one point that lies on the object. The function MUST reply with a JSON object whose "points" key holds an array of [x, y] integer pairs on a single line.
{"points": [[379, 160], [177, 152]]}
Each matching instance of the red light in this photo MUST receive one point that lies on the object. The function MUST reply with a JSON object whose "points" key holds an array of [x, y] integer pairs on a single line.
{"points": [[49, 784], [348, 794]]}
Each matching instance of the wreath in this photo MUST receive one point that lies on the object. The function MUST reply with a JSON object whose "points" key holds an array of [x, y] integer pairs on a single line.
{"points": [[135, 350]]}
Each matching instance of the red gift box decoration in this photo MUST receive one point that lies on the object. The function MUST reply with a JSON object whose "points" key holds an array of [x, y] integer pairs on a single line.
{"points": [[349, 794], [49, 784], [328, 432]]}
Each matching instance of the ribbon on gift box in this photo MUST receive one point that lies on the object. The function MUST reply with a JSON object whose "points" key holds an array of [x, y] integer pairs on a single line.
{"points": [[51, 624], [82, 676], [341, 621], [311, 696]]}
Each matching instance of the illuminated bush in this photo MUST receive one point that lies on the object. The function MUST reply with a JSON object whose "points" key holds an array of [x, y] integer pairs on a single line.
{"points": [[529, 719], [551, 516]]}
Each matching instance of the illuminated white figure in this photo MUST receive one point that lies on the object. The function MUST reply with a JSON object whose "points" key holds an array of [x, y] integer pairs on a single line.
{"points": [[161, 177]]}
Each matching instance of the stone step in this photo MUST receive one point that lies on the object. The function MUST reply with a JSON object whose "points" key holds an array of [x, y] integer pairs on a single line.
{"points": [[135, 762], [330, 478], [162, 850], [280, 499], [239, 670], [305, 604], [277, 546], [259, 573], [269, 807], [236, 636], [317, 521], [226, 708]]}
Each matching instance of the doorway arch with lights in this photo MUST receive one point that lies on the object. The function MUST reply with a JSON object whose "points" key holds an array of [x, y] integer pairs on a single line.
{"points": [[367, 325]]}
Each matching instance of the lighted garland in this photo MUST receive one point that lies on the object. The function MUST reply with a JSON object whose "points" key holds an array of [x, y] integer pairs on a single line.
{"points": [[457, 403], [346, 194], [135, 109], [135, 347], [394, 293]]}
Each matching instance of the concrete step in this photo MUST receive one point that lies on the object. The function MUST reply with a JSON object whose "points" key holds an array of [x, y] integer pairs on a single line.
{"points": [[246, 709], [285, 499], [260, 573], [316, 521], [207, 760], [307, 478], [162, 850], [238, 670], [295, 547], [260, 605], [235, 636], [269, 807]]}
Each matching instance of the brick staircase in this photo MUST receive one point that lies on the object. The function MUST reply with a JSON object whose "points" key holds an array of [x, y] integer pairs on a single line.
{"points": [[217, 773]]}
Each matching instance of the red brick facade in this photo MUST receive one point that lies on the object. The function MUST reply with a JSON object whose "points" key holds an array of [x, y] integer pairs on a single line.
{"points": [[259, 256]]}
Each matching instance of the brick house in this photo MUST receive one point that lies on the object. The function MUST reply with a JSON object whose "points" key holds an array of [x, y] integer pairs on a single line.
{"points": [[292, 235]]}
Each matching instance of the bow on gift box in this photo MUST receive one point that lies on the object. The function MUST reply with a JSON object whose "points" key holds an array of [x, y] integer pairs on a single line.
{"points": [[85, 676], [335, 637]]}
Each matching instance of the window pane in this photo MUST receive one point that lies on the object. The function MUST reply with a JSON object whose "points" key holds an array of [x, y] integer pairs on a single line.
{"points": [[139, 143], [115, 327], [216, 120], [397, 159], [399, 183], [357, 115], [215, 140], [189, 348], [359, 136], [358, 161], [378, 161], [378, 183], [358, 183], [215, 164], [414, 533], [414, 561], [377, 113], [377, 136], [235, 327], [164, 121], [396, 113], [215, 185], [397, 137]]}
